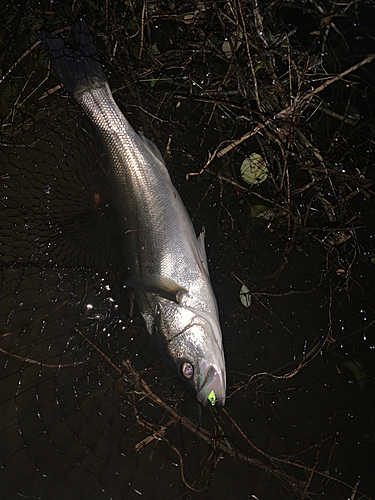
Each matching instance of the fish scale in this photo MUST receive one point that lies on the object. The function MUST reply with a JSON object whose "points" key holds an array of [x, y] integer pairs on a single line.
{"points": [[167, 264]]}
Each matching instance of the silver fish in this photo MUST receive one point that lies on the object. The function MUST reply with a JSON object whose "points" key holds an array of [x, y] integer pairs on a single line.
{"points": [[167, 263]]}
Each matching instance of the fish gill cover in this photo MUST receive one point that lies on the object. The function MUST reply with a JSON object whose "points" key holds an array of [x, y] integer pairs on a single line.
{"points": [[263, 112]]}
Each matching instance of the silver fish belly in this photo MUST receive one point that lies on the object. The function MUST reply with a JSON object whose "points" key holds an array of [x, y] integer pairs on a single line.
{"points": [[167, 263]]}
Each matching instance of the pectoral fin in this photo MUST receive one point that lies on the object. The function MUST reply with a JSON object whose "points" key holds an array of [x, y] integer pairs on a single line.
{"points": [[160, 285]]}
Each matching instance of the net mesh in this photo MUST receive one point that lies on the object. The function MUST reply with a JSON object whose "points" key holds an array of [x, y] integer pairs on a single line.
{"points": [[88, 408]]}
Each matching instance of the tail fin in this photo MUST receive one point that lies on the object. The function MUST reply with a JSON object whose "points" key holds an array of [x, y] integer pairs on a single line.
{"points": [[78, 70]]}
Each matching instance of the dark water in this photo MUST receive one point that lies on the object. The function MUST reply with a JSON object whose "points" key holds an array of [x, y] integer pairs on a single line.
{"points": [[74, 422]]}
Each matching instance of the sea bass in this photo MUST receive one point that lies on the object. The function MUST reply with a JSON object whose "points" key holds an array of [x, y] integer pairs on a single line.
{"points": [[166, 262]]}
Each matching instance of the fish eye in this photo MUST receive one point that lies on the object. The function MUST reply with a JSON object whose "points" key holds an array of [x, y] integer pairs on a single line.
{"points": [[187, 370]]}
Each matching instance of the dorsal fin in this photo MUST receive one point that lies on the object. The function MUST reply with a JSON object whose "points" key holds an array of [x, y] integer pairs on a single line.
{"points": [[151, 148]]}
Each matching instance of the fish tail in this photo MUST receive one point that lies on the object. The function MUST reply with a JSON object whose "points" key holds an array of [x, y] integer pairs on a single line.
{"points": [[79, 70]]}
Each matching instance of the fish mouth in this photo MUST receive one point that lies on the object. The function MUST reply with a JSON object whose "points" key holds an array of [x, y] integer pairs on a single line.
{"points": [[213, 388]]}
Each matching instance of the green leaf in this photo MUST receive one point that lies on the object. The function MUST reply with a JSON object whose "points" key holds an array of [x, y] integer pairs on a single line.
{"points": [[245, 296], [154, 49], [358, 371], [253, 169], [261, 212], [93, 4], [216, 40]]}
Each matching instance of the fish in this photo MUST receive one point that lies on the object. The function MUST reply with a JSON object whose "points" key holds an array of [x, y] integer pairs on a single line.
{"points": [[166, 263]]}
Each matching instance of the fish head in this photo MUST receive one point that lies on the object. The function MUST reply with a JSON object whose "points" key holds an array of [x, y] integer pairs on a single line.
{"points": [[193, 346]]}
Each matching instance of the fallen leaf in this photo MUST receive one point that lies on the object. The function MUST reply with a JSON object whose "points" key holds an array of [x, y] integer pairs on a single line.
{"points": [[245, 296], [261, 212], [189, 18], [154, 49], [359, 372], [230, 47], [338, 238], [253, 169]]}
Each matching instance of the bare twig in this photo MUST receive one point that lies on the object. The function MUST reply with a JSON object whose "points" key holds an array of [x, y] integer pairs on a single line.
{"points": [[300, 103]]}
